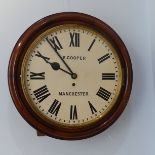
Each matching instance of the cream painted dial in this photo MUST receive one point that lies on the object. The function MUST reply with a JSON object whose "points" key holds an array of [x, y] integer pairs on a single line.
{"points": [[71, 75]]}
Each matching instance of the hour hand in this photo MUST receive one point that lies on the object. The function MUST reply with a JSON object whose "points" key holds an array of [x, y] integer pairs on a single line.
{"points": [[43, 57], [59, 55], [55, 66]]}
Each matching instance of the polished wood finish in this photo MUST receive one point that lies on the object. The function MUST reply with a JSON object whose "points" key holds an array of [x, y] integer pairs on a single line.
{"points": [[14, 72], [40, 133]]}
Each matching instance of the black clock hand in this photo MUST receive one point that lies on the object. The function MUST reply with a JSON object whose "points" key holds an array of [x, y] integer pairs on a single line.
{"points": [[43, 57], [73, 75], [54, 65]]}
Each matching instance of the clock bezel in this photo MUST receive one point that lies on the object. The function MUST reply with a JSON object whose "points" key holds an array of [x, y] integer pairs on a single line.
{"points": [[14, 72]]}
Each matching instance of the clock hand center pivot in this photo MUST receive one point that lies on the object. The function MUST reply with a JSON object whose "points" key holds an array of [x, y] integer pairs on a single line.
{"points": [[74, 76], [55, 65]]}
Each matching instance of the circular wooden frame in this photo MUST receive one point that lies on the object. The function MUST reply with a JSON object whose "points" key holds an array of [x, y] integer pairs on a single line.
{"points": [[14, 72]]}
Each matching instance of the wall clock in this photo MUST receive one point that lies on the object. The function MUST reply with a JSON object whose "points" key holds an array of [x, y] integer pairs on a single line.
{"points": [[70, 76]]}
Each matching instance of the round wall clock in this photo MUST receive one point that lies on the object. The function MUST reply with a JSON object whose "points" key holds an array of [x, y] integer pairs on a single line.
{"points": [[70, 76]]}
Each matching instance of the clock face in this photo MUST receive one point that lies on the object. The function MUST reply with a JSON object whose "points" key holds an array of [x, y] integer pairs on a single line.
{"points": [[71, 75]]}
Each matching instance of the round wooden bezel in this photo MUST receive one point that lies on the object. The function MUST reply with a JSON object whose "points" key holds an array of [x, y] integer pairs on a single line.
{"points": [[14, 72]]}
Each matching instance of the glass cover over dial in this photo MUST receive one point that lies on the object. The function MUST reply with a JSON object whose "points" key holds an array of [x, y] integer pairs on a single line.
{"points": [[71, 75]]}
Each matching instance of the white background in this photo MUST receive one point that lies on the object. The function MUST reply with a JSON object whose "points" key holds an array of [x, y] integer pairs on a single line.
{"points": [[134, 132]]}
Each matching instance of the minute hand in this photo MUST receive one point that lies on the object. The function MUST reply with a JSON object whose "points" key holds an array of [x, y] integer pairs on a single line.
{"points": [[60, 57]]}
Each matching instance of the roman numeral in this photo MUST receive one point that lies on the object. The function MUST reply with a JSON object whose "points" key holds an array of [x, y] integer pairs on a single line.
{"points": [[55, 43], [41, 93], [104, 94], [37, 76], [55, 107], [108, 76], [93, 110], [103, 58], [91, 45], [75, 39], [73, 112]]}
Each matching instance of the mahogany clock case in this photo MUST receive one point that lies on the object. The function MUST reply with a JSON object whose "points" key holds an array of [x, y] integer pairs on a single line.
{"points": [[14, 72]]}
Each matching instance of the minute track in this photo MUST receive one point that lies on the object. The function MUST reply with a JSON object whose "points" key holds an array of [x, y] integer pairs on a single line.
{"points": [[75, 116], [93, 109]]}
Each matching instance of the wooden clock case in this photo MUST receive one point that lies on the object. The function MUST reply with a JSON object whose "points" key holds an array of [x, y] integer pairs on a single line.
{"points": [[14, 72]]}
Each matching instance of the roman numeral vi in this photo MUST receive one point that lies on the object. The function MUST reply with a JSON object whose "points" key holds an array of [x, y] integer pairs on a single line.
{"points": [[73, 112]]}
